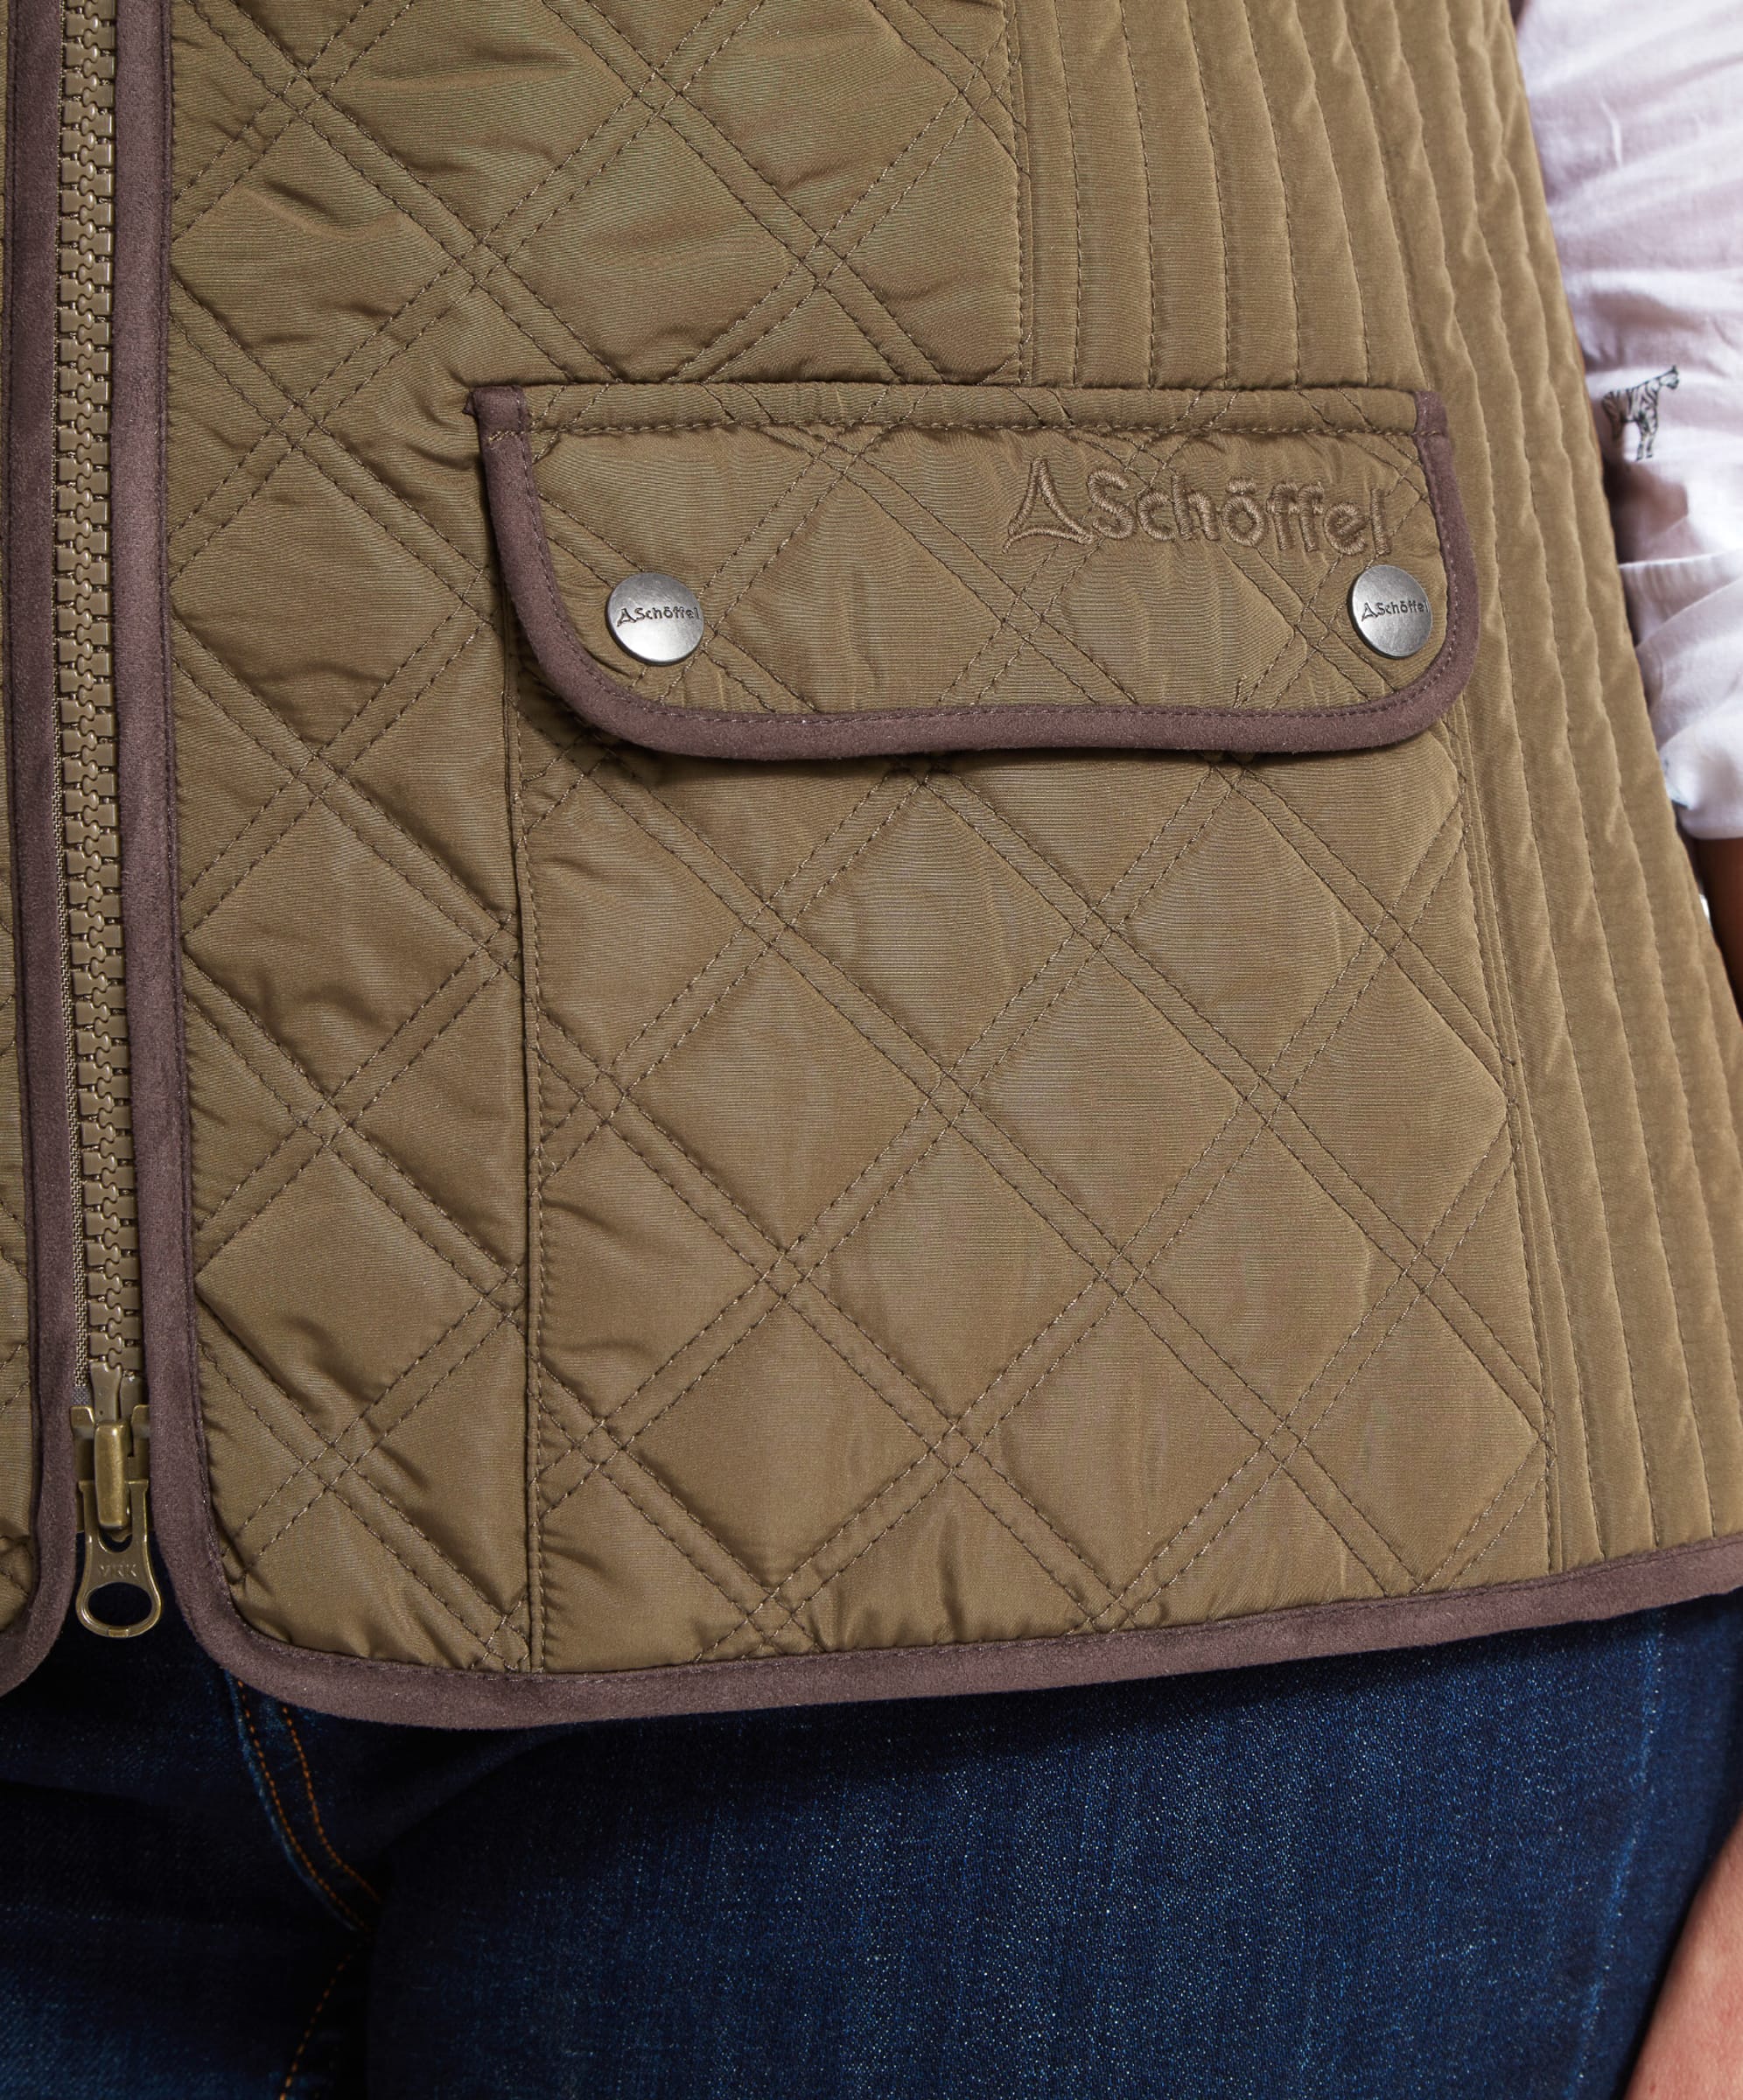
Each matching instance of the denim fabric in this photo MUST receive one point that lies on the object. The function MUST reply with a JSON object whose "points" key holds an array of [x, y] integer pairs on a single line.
{"points": [[1448, 1872]]}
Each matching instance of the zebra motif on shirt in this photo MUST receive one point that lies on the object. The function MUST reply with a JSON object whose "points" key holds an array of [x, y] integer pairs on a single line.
{"points": [[1639, 405]]}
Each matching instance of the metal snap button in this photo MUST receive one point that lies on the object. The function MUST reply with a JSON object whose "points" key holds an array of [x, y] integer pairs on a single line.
{"points": [[1390, 610], [654, 617]]}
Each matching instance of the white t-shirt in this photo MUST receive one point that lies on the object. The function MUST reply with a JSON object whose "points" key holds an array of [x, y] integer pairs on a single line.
{"points": [[1638, 112]]}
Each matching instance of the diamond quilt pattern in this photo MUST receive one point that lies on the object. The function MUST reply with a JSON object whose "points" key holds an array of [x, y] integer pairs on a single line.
{"points": [[812, 1368], [650, 1210]]}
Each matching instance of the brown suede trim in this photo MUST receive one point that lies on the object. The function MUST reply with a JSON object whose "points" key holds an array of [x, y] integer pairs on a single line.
{"points": [[415, 1695], [517, 518], [32, 762]]}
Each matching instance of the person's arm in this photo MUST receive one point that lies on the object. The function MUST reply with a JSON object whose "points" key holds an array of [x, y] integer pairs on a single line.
{"points": [[1694, 2047], [1639, 118]]}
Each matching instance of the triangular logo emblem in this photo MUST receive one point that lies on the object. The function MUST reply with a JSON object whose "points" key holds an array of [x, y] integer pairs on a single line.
{"points": [[1041, 516]]}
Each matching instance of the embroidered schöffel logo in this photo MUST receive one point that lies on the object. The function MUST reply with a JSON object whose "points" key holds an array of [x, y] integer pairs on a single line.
{"points": [[1239, 513]]}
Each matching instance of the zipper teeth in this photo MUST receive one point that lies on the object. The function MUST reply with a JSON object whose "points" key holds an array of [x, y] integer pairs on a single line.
{"points": [[92, 988]]}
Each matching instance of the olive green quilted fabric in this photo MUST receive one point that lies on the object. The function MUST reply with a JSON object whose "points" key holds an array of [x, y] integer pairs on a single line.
{"points": [[653, 1208]]}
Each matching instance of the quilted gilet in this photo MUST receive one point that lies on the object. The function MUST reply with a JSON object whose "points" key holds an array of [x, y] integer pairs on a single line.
{"points": [[1033, 1108]]}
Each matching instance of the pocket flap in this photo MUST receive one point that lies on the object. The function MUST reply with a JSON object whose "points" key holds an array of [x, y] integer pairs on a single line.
{"points": [[883, 570]]}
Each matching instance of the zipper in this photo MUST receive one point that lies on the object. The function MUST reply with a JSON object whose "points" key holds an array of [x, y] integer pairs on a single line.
{"points": [[110, 1420]]}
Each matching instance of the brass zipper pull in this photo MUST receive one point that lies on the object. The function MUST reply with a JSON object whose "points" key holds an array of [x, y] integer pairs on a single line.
{"points": [[112, 1443]]}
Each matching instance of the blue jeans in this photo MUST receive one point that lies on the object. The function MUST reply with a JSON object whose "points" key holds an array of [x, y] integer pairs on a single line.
{"points": [[1448, 1872]]}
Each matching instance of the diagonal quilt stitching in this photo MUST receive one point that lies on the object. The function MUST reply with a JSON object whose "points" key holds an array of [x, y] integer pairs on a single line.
{"points": [[769, 1592], [1045, 618], [1422, 1294], [380, 1405], [1068, 569], [1135, 1309], [764, 945], [544, 1374], [1306, 610], [455, 264], [874, 1003], [348, 1119], [698, 362], [328, 780], [788, 1297], [737, 905], [295, 775], [1312, 1170], [1258, 791], [1432, 1580], [1455, 735], [396, 1512], [773, 202], [928, 1103], [1159, 1337], [898, 805], [1151, 1262], [713, 640], [216, 992], [1088, 1621], [1319, 633], [302, 69], [306, 449], [1542, 1480], [316, 447], [759, 1236], [977, 67], [245, 465], [1408, 477], [1369, 934], [321, 1149], [726, 1196], [843, 441], [649, 115], [469, 241], [643, 1476]]}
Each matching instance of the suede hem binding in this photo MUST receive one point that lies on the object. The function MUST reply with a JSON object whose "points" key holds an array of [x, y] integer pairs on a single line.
{"points": [[523, 546], [425, 1696]]}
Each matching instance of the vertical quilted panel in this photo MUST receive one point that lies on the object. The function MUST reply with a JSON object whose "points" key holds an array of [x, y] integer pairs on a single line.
{"points": [[1630, 1043]]}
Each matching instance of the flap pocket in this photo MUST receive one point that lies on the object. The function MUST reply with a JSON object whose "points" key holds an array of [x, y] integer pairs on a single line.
{"points": [[884, 570]]}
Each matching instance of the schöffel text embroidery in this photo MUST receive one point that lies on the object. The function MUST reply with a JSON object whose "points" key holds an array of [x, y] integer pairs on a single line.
{"points": [[1240, 513]]}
